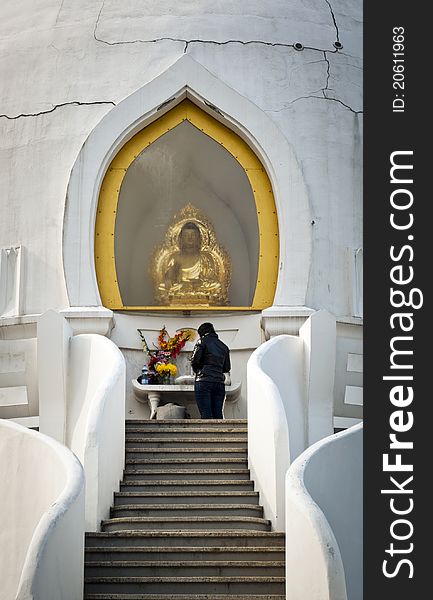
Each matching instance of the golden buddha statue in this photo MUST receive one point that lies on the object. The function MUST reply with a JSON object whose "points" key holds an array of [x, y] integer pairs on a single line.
{"points": [[190, 268]]}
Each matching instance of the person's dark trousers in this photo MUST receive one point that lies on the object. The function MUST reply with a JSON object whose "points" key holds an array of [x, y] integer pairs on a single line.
{"points": [[209, 396]]}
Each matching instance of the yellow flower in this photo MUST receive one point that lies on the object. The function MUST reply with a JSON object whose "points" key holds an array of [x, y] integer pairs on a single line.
{"points": [[165, 369]]}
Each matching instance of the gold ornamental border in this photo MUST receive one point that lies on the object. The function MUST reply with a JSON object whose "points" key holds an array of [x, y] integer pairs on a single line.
{"points": [[262, 190]]}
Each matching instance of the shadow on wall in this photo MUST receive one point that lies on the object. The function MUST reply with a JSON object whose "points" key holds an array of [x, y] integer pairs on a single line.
{"points": [[290, 405], [324, 515], [41, 506], [82, 405], [11, 260]]}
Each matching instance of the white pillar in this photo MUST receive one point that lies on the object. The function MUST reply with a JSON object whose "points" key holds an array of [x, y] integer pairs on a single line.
{"points": [[54, 335], [320, 338]]}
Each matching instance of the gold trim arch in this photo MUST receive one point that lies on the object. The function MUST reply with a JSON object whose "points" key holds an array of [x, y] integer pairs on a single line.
{"points": [[260, 184]]}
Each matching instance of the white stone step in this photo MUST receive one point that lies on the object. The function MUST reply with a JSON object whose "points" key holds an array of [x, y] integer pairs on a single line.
{"points": [[188, 568], [134, 474], [205, 485], [196, 553], [173, 463], [187, 453], [186, 510], [187, 585], [109, 596], [183, 497], [202, 539], [226, 424], [185, 523], [216, 443], [164, 432]]}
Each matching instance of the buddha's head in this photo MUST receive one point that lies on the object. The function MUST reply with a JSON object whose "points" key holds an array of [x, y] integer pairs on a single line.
{"points": [[190, 238]]}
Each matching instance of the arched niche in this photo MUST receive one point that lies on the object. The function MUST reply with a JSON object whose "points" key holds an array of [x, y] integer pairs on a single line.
{"points": [[187, 79], [185, 156]]}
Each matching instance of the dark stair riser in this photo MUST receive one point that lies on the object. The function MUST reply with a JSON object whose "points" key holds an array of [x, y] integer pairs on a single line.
{"points": [[233, 585], [184, 597], [192, 474], [185, 569], [169, 433], [182, 463], [189, 423], [182, 497], [187, 510], [184, 553], [156, 442], [223, 539], [186, 524], [203, 485], [185, 453]]}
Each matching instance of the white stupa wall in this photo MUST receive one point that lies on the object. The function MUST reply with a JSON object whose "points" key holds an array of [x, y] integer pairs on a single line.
{"points": [[67, 64]]}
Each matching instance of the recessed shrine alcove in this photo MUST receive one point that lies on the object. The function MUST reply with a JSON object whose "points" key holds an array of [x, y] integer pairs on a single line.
{"points": [[186, 171]]}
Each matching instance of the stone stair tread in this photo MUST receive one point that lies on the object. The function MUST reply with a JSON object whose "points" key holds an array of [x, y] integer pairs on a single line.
{"points": [[186, 450], [192, 471], [186, 549], [213, 440], [190, 519], [180, 482], [186, 563], [163, 429], [179, 461], [188, 534], [184, 506], [144, 580], [185, 494], [149, 539], [155, 422], [187, 509], [156, 473], [108, 596]]}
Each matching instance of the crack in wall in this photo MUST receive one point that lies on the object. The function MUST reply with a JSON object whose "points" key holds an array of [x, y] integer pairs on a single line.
{"points": [[322, 90], [328, 72], [97, 22], [335, 21], [243, 42], [138, 41], [214, 42], [55, 107], [247, 42], [324, 97], [199, 41]]}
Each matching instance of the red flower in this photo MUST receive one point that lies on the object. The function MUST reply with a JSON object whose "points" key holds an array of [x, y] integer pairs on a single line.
{"points": [[168, 348]]}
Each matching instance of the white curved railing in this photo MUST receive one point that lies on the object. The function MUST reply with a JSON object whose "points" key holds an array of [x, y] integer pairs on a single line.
{"points": [[324, 520], [290, 404], [276, 422], [41, 517], [96, 419]]}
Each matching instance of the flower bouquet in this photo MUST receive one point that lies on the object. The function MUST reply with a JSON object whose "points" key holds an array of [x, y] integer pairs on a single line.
{"points": [[166, 371], [161, 368]]}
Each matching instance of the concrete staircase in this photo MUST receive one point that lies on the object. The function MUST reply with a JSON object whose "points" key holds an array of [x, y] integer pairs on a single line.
{"points": [[186, 523]]}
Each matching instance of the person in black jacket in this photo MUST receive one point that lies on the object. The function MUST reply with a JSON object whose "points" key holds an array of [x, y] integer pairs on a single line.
{"points": [[210, 360]]}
